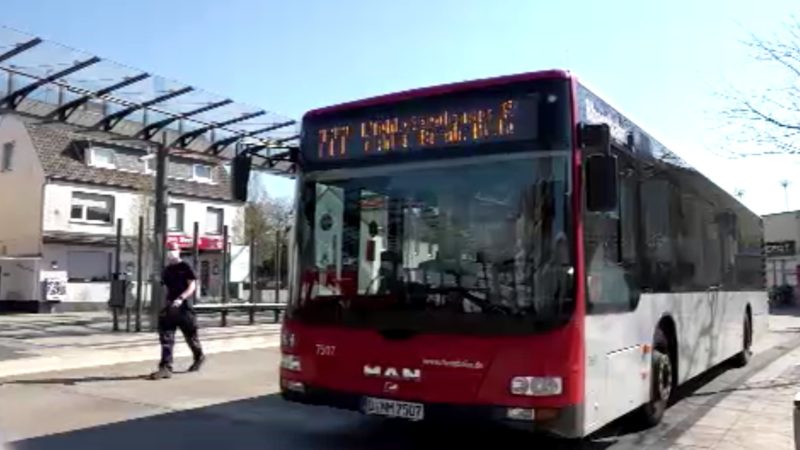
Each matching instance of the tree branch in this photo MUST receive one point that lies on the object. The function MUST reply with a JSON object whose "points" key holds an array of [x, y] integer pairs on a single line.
{"points": [[767, 118]]}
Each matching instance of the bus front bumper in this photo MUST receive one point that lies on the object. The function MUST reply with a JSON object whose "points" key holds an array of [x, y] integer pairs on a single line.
{"points": [[567, 421]]}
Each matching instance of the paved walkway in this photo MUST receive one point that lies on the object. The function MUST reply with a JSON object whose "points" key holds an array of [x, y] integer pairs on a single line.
{"points": [[35, 343], [758, 413]]}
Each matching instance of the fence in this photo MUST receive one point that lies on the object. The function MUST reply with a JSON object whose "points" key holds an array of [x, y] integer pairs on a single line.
{"points": [[225, 275]]}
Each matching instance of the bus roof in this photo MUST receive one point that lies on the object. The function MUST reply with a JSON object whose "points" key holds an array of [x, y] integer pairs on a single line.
{"points": [[441, 89]]}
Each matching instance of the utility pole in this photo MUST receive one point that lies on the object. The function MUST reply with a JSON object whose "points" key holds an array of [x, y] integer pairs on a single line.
{"points": [[159, 231], [785, 184]]}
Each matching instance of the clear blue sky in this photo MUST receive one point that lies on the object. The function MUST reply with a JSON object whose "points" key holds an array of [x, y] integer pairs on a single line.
{"points": [[664, 63]]}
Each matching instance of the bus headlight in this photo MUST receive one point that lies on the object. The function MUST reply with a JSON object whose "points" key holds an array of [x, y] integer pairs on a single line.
{"points": [[291, 362], [536, 386]]}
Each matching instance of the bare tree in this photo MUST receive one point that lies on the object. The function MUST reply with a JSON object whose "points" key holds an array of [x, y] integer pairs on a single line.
{"points": [[770, 116], [264, 218]]}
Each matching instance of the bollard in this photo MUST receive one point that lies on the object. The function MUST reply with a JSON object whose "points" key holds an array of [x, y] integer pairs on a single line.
{"points": [[796, 421]]}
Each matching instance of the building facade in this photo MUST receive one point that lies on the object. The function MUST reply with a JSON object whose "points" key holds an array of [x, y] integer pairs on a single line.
{"points": [[782, 238], [63, 192]]}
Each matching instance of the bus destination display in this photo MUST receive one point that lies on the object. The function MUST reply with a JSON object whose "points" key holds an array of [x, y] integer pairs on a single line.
{"points": [[423, 127]]}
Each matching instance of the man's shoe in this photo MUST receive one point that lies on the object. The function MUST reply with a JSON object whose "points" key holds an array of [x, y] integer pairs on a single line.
{"points": [[161, 373], [197, 364]]}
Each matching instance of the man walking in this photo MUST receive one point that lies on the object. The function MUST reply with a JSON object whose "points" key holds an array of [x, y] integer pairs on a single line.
{"points": [[180, 282]]}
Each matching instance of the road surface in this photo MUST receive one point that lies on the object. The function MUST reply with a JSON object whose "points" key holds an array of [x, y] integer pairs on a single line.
{"points": [[233, 404]]}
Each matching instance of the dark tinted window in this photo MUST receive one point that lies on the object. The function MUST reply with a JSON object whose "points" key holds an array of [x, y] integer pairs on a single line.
{"points": [[612, 248], [477, 246], [674, 231], [687, 234]]}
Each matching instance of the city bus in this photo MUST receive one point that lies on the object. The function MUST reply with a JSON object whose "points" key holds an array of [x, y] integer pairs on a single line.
{"points": [[513, 250]]}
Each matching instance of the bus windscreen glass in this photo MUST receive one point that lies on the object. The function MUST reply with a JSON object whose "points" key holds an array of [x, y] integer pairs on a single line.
{"points": [[478, 245]]}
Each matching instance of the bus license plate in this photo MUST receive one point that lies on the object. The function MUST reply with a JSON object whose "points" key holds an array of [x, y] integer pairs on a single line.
{"points": [[393, 408]]}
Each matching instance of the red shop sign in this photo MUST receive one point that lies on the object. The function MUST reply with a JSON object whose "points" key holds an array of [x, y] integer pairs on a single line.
{"points": [[203, 243]]}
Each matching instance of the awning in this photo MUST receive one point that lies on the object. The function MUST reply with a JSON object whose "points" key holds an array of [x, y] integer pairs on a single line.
{"points": [[58, 84]]}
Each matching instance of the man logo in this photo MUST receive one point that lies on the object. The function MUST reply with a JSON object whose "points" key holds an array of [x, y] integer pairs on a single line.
{"points": [[390, 387], [393, 373]]}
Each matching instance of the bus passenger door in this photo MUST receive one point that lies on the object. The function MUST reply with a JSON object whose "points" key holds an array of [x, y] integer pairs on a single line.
{"points": [[614, 384]]}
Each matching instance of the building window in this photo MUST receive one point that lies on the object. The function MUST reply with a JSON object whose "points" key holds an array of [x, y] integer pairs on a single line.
{"points": [[102, 157], [214, 220], [202, 173], [92, 208], [88, 266], [175, 217], [7, 157]]}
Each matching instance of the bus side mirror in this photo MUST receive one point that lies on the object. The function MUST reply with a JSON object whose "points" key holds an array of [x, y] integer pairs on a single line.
{"points": [[595, 138], [602, 184]]}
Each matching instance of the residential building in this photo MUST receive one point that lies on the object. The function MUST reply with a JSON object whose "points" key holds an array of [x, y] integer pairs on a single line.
{"points": [[62, 191]]}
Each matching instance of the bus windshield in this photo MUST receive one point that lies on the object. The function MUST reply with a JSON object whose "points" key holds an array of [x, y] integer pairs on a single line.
{"points": [[470, 245]]}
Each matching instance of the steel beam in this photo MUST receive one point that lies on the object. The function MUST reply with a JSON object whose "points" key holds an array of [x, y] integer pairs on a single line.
{"points": [[186, 138], [64, 111], [150, 130], [222, 143], [13, 99], [111, 120], [286, 139], [25, 46]]}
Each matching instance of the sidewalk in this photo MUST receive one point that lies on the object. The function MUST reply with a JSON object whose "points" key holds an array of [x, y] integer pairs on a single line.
{"points": [[758, 413], [35, 343]]}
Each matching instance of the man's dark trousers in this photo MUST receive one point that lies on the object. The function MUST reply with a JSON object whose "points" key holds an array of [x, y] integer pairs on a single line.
{"points": [[171, 319]]}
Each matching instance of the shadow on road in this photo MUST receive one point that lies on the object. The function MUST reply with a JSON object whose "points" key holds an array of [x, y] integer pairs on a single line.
{"points": [[74, 381], [269, 422]]}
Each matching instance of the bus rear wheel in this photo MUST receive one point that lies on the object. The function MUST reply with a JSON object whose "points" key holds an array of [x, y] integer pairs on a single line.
{"points": [[743, 357], [661, 381]]}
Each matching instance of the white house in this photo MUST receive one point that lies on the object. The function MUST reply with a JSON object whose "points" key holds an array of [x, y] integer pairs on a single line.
{"points": [[61, 194]]}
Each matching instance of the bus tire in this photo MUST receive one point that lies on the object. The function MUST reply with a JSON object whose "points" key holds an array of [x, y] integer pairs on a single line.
{"points": [[743, 358], [661, 381]]}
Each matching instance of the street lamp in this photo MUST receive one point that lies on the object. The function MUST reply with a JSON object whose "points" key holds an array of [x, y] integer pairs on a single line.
{"points": [[785, 184]]}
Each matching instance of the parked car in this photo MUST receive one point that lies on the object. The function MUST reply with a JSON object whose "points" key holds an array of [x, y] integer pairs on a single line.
{"points": [[781, 295]]}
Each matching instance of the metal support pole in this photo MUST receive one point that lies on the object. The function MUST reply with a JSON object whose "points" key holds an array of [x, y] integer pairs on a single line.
{"points": [[796, 420], [159, 232], [139, 270], [117, 269], [277, 267], [225, 271], [196, 257], [252, 278]]}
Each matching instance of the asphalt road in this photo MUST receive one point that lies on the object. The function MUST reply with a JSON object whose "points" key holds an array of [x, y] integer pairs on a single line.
{"points": [[232, 405]]}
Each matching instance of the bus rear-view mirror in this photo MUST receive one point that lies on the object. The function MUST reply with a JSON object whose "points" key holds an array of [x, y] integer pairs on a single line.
{"points": [[601, 183], [595, 138]]}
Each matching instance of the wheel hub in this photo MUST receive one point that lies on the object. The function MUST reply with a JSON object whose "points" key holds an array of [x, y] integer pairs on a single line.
{"points": [[664, 378]]}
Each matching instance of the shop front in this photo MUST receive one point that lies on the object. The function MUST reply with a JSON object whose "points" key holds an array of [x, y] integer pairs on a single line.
{"points": [[208, 268]]}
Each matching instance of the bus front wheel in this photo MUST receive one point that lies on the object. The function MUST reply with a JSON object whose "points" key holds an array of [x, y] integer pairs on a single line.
{"points": [[661, 381]]}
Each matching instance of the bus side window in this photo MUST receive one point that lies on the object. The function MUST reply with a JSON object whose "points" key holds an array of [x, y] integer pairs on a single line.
{"points": [[612, 250], [629, 231]]}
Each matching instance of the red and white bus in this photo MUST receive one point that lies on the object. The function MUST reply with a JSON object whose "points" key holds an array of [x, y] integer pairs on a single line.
{"points": [[510, 249]]}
